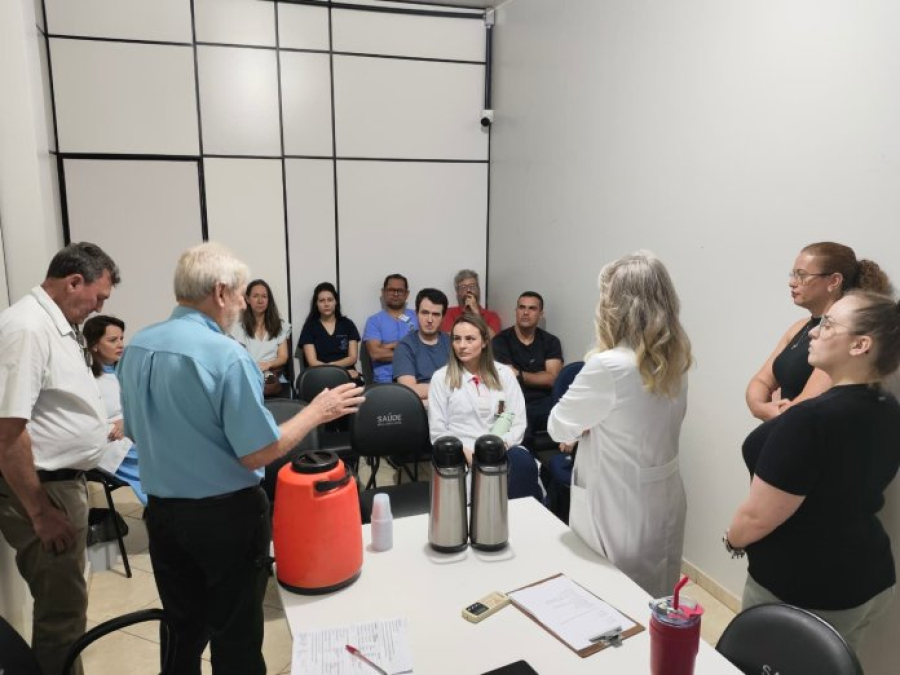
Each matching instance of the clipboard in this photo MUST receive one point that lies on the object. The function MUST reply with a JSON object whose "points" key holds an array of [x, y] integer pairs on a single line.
{"points": [[586, 651]]}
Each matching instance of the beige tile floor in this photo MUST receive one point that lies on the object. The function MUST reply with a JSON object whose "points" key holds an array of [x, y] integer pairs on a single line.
{"points": [[135, 650]]}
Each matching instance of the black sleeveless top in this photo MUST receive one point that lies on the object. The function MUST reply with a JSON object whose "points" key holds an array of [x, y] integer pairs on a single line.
{"points": [[791, 367]]}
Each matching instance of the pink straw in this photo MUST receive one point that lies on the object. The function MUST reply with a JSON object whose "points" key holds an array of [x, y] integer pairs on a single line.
{"points": [[678, 587]]}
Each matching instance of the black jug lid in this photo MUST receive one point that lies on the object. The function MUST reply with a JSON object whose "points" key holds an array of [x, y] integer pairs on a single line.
{"points": [[448, 451], [315, 461], [489, 449]]}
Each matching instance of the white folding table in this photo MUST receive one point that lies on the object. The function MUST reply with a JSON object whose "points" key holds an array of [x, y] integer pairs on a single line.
{"points": [[430, 589]]}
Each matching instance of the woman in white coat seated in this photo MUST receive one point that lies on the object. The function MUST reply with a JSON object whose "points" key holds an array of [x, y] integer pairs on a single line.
{"points": [[104, 337], [468, 395], [627, 499]]}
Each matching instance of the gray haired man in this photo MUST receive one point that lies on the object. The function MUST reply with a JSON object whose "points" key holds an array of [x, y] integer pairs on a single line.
{"points": [[52, 428]]}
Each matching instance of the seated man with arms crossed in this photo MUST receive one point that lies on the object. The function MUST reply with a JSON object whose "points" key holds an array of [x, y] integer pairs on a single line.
{"points": [[422, 352], [536, 359], [385, 329]]}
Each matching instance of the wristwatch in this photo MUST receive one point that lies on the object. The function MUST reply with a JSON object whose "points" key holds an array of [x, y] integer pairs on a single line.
{"points": [[735, 552]]}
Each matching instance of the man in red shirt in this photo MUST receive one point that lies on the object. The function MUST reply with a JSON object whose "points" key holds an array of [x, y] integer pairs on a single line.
{"points": [[468, 293]]}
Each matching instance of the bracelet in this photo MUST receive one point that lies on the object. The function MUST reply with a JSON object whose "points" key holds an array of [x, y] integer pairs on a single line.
{"points": [[735, 552]]}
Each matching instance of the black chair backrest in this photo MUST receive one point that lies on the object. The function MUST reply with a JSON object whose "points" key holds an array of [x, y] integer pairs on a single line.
{"points": [[282, 410], [313, 380], [365, 362], [391, 421], [16, 657], [780, 638]]}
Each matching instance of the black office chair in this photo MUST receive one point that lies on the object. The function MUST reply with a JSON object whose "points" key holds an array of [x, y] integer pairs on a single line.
{"points": [[16, 657], [391, 422], [334, 435], [365, 363], [282, 410], [111, 482], [786, 639], [312, 381]]}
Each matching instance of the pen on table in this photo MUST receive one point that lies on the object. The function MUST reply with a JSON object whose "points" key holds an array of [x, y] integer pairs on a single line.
{"points": [[608, 635], [362, 657]]}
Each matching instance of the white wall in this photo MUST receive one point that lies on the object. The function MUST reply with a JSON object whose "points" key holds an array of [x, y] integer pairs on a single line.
{"points": [[721, 135], [28, 215], [330, 142]]}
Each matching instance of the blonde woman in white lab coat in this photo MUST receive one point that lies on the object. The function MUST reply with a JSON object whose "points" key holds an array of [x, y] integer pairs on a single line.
{"points": [[627, 500]]}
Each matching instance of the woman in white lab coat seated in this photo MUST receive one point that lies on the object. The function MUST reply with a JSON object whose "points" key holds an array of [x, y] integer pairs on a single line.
{"points": [[627, 499], [467, 396], [104, 337]]}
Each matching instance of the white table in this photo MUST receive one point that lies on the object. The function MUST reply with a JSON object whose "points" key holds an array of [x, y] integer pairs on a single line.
{"points": [[430, 590]]}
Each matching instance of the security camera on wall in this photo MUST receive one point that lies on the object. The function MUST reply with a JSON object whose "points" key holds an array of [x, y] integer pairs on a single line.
{"points": [[487, 118]]}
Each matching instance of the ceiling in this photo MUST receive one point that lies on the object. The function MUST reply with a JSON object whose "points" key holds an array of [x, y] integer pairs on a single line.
{"points": [[478, 4]]}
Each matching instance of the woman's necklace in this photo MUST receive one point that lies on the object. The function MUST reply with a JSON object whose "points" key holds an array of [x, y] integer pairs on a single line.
{"points": [[809, 326]]}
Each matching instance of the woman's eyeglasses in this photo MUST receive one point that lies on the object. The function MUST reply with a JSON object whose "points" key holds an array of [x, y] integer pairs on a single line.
{"points": [[826, 323], [803, 277]]}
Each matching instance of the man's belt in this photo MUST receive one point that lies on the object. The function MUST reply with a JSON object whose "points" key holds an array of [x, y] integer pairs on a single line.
{"points": [[55, 476], [59, 474]]}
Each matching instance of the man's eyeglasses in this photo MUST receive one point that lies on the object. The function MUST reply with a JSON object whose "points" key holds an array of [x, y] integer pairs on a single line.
{"points": [[465, 288], [396, 291], [803, 277]]}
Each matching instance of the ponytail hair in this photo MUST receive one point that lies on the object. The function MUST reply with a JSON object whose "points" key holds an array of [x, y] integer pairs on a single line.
{"points": [[864, 274], [879, 318]]}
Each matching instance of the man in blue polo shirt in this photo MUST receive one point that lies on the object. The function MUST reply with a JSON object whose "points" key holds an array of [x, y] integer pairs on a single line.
{"points": [[385, 329], [193, 402], [422, 352]]}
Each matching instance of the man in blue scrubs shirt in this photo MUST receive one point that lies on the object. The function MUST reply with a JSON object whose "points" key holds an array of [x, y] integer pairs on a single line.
{"points": [[193, 403], [385, 329]]}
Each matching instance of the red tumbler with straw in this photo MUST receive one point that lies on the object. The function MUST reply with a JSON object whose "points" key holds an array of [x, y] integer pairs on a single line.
{"points": [[674, 633]]}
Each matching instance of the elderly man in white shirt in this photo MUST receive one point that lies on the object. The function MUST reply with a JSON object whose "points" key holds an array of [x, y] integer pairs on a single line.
{"points": [[52, 428]]}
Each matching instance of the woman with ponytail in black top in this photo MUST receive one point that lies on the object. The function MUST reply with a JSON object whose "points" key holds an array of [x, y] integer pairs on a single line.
{"points": [[822, 273]]}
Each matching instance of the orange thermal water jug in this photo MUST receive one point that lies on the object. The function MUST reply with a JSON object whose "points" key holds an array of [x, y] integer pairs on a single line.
{"points": [[316, 529]]}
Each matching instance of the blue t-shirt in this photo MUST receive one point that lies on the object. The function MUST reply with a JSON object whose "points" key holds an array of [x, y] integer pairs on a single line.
{"points": [[193, 404], [386, 329], [414, 357]]}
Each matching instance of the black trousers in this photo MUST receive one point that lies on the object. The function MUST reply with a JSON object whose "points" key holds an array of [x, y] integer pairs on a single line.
{"points": [[210, 558]]}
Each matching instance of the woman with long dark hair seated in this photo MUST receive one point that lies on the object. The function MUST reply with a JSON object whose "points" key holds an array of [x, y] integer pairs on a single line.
{"points": [[264, 333], [329, 337], [105, 339], [819, 471]]}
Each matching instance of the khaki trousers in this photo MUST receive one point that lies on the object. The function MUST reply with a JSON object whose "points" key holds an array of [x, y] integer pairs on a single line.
{"points": [[56, 581], [852, 623]]}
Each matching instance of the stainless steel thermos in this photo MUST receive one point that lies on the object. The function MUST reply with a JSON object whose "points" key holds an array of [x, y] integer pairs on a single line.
{"points": [[489, 524], [448, 530]]}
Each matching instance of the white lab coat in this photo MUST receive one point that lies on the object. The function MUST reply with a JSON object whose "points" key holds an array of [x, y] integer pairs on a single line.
{"points": [[470, 411], [115, 451], [627, 500]]}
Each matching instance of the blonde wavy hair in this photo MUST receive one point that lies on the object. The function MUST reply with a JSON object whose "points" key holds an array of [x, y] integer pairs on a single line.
{"points": [[639, 308], [487, 371]]}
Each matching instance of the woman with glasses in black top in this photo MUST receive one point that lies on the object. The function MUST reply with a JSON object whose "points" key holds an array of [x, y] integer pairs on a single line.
{"points": [[819, 471], [822, 273]]}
